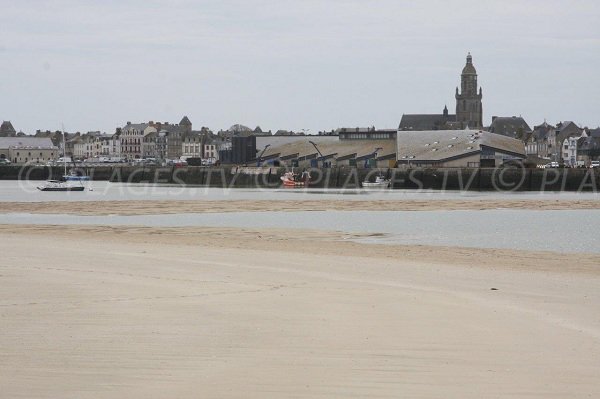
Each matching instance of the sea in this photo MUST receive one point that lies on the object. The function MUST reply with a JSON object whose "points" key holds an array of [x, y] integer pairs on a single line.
{"points": [[565, 231]]}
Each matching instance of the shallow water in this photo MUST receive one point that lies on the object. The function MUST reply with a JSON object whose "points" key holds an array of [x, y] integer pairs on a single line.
{"points": [[565, 231], [26, 191]]}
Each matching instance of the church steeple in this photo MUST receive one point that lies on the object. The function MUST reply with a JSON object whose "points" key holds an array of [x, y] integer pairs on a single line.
{"points": [[469, 109]]}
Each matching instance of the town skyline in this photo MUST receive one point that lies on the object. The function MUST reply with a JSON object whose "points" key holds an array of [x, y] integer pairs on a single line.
{"points": [[293, 66]]}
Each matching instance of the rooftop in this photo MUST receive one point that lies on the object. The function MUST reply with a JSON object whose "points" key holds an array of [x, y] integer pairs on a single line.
{"points": [[439, 145]]}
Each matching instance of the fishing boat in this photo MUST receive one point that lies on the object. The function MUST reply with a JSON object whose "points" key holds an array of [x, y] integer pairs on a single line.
{"points": [[291, 179], [380, 182], [58, 185]]}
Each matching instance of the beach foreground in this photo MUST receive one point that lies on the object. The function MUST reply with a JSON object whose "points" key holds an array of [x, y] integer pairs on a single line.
{"points": [[100, 312]]}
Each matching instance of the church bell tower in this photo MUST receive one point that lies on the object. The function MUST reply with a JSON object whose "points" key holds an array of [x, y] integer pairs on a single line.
{"points": [[469, 111]]}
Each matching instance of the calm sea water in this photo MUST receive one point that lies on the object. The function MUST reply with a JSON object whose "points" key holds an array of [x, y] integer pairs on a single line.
{"points": [[26, 191], [575, 231]]}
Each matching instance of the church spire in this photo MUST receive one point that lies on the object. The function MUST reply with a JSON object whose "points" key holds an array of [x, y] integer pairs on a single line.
{"points": [[469, 110]]}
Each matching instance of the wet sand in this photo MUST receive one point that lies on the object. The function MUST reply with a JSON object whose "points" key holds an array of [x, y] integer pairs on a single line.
{"points": [[101, 312], [94, 208]]}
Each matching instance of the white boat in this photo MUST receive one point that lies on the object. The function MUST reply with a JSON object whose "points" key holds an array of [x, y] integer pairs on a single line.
{"points": [[380, 182], [57, 185]]}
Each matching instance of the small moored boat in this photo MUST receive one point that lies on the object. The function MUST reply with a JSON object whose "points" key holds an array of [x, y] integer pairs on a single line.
{"points": [[380, 182], [291, 179], [57, 185]]}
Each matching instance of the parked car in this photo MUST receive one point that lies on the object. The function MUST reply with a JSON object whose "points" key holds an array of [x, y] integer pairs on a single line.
{"points": [[552, 165], [4, 161], [595, 164]]}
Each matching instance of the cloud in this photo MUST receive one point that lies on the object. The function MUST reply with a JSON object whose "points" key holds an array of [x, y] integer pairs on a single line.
{"points": [[290, 64]]}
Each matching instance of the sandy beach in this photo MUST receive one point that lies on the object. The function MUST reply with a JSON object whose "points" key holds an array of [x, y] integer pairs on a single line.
{"points": [[149, 207], [101, 312]]}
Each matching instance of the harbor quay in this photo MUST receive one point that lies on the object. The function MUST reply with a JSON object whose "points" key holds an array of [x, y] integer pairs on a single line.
{"points": [[502, 179]]}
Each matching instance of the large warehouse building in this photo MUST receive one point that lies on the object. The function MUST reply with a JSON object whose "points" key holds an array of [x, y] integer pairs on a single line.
{"points": [[441, 148], [457, 148]]}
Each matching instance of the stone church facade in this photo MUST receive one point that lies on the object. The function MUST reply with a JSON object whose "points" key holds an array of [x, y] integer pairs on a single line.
{"points": [[469, 108]]}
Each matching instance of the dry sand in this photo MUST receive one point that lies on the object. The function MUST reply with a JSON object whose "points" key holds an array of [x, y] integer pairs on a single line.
{"points": [[100, 312], [152, 207]]}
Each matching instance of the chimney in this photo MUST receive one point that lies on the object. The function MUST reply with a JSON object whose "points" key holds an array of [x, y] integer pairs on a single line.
{"points": [[128, 122]]}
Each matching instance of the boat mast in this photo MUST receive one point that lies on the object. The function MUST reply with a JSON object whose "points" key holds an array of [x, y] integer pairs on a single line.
{"points": [[64, 149]]}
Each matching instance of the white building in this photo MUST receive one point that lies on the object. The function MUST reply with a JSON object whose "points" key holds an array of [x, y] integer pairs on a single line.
{"points": [[192, 145], [28, 149]]}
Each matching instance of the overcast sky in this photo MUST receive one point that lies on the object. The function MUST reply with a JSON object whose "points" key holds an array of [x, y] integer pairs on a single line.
{"points": [[318, 65]]}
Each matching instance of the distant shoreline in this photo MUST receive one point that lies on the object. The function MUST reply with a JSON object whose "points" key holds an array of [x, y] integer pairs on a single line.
{"points": [[464, 179]]}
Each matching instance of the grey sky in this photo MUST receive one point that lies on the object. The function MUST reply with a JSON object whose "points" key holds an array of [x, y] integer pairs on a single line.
{"points": [[292, 64]]}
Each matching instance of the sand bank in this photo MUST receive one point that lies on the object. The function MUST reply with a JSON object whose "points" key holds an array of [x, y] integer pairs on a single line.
{"points": [[151, 207], [97, 312]]}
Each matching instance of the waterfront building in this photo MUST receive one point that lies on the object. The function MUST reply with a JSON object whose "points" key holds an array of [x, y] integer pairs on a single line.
{"points": [[567, 129], [149, 144], [541, 143], [298, 151], [132, 135], [24, 149], [192, 145], [588, 148], [569, 151], [457, 148]]}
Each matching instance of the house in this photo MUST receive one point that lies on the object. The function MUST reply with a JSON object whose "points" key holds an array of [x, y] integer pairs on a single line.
{"points": [[149, 144], [588, 148], [567, 129], [541, 143], [110, 146], [131, 138], [210, 150], [510, 126], [569, 151], [192, 145]]}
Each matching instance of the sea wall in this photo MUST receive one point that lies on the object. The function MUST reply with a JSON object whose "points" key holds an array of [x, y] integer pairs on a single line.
{"points": [[484, 179]]}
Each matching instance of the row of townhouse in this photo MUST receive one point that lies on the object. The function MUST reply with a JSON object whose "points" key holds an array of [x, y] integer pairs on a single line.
{"points": [[158, 140], [564, 143]]}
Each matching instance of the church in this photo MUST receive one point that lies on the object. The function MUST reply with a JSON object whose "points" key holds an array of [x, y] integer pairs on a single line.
{"points": [[469, 111]]}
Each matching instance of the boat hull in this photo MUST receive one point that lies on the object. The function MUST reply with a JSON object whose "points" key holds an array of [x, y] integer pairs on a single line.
{"points": [[376, 185], [61, 188], [287, 183]]}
